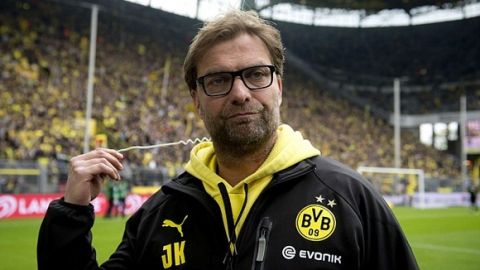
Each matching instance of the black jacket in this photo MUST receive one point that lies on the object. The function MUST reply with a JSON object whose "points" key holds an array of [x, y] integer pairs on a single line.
{"points": [[317, 214]]}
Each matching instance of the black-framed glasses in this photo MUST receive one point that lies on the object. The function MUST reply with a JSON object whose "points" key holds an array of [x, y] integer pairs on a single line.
{"points": [[220, 83]]}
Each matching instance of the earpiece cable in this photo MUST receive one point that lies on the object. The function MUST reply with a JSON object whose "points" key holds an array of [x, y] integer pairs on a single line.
{"points": [[145, 147]]}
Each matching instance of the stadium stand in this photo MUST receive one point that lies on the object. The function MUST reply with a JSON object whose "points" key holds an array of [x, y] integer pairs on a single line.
{"points": [[437, 62], [44, 57]]}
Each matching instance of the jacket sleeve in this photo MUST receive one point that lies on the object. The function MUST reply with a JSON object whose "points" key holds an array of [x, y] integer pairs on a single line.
{"points": [[65, 240], [386, 244], [389, 248]]}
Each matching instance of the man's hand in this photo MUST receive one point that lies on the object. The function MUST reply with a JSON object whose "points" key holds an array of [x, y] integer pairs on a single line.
{"points": [[87, 172]]}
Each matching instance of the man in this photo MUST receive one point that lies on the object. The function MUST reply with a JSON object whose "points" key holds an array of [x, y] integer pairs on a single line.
{"points": [[473, 190], [258, 196]]}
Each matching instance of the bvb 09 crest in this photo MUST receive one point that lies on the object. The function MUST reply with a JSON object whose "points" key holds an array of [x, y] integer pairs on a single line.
{"points": [[315, 222]]}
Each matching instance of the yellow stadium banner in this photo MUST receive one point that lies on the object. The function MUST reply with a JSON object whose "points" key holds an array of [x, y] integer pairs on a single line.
{"points": [[19, 171]]}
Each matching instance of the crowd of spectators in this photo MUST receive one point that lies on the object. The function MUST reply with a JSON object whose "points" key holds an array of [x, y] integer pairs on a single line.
{"points": [[44, 59], [353, 135]]}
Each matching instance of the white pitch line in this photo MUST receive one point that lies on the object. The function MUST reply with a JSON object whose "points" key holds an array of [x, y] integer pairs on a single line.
{"points": [[448, 249]]}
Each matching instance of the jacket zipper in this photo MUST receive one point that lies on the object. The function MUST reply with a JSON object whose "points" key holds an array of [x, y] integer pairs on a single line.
{"points": [[254, 209], [262, 243], [267, 189]]}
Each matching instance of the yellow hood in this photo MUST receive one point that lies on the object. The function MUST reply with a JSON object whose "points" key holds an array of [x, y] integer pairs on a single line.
{"points": [[289, 149]]}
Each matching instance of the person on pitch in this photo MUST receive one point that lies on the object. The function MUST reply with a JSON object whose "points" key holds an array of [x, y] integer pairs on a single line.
{"points": [[258, 196]]}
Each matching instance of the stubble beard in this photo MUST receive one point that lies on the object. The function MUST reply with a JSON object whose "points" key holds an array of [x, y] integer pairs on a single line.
{"points": [[246, 136]]}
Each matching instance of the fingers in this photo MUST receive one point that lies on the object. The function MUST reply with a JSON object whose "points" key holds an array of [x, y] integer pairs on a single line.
{"points": [[97, 162], [86, 173], [98, 166], [111, 155]]}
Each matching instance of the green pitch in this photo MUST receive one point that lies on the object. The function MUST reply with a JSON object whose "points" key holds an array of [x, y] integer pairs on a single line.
{"points": [[442, 239]]}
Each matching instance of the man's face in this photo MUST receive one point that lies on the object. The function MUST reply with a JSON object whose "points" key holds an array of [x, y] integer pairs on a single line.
{"points": [[243, 117]]}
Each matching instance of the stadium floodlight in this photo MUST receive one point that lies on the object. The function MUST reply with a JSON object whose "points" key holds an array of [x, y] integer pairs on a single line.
{"points": [[396, 117], [90, 81], [419, 173], [463, 135]]}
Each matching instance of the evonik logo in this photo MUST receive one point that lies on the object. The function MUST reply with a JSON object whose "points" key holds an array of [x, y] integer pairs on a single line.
{"points": [[289, 253]]}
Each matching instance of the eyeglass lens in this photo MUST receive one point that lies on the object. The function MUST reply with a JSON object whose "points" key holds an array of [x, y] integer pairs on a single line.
{"points": [[254, 78]]}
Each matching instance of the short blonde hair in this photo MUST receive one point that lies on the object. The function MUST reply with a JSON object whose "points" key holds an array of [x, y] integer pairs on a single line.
{"points": [[227, 27]]}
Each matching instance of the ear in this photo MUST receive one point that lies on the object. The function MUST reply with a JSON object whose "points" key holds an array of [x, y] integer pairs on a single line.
{"points": [[280, 89], [196, 101]]}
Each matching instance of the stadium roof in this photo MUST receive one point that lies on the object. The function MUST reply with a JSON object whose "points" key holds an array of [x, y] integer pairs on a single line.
{"points": [[370, 6], [343, 13], [365, 13]]}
